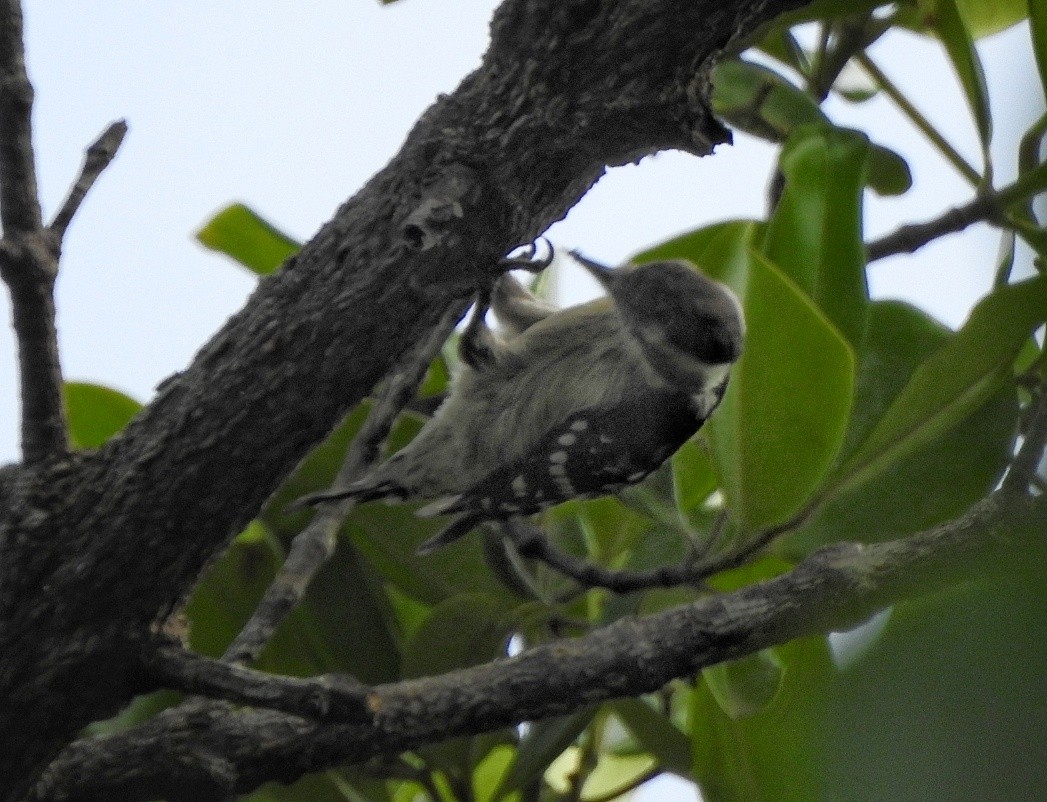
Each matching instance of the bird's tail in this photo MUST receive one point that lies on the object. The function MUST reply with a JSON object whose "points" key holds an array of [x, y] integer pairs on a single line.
{"points": [[460, 526]]}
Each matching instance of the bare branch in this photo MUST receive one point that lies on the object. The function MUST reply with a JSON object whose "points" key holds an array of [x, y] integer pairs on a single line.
{"points": [[333, 697], [99, 154], [910, 238], [533, 543], [315, 544], [835, 588]]}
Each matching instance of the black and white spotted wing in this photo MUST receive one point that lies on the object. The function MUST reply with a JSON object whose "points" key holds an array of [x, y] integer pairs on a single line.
{"points": [[592, 453]]}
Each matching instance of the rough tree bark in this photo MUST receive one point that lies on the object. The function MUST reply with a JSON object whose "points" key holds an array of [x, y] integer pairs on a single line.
{"points": [[95, 549]]}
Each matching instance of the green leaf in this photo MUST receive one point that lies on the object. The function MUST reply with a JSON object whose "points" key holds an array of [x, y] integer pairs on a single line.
{"points": [[954, 34], [694, 476], [774, 754], [889, 173], [490, 772], [935, 482], [463, 631], [544, 742], [1038, 29], [344, 621], [986, 17], [759, 101], [95, 413], [746, 686], [782, 420], [656, 734], [954, 381], [815, 234], [230, 590], [949, 702], [242, 234], [982, 17]]}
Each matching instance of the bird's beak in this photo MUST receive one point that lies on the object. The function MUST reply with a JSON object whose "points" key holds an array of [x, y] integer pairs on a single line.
{"points": [[602, 273]]}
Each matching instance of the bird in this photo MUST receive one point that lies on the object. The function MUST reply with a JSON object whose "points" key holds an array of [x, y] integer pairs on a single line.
{"points": [[559, 404]]}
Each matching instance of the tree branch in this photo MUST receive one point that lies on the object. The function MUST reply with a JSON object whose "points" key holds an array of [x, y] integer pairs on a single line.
{"points": [[910, 238], [28, 258], [118, 537], [19, 202], [99, 155], [838, 586], [335, 696]]}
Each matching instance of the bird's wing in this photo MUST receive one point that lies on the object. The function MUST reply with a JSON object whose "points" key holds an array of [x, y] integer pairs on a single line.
{"points": [[592, 453]]}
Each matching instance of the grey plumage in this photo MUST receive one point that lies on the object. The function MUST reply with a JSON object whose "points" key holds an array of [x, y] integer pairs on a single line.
{"points": [[658, 352]]}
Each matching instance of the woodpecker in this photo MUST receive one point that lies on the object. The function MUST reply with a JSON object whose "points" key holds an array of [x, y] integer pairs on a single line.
{"points": [[567, 403]]}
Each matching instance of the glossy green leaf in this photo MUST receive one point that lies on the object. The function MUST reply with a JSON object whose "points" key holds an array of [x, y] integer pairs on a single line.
{"points": [[949, 703], [954, 381], [954, 34], [95, 413], [345, 620], [935, 482], [544, 741], [982, 17], [782, 45], [815, 234], [320, 787], [243, 235], [986, 17], [488, 775], [656, 734], [771, 756], [746, 686], [230, 590], [782, 420], [463, 631], [759, 101], [1038, 29], [694, 476]]}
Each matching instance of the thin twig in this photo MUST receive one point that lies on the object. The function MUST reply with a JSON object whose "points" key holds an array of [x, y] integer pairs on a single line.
{"points": [[335, 697], [99, 154], [916, 117], [910, 238], [532, 543], [1023, 470], [314, 545]]}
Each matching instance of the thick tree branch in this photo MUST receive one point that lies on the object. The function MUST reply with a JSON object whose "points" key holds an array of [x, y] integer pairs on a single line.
{"points": [[19, 202], [95, 548], [173, 755]]}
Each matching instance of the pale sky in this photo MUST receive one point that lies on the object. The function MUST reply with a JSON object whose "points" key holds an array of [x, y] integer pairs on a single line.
{"points": [[290, 107]]}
